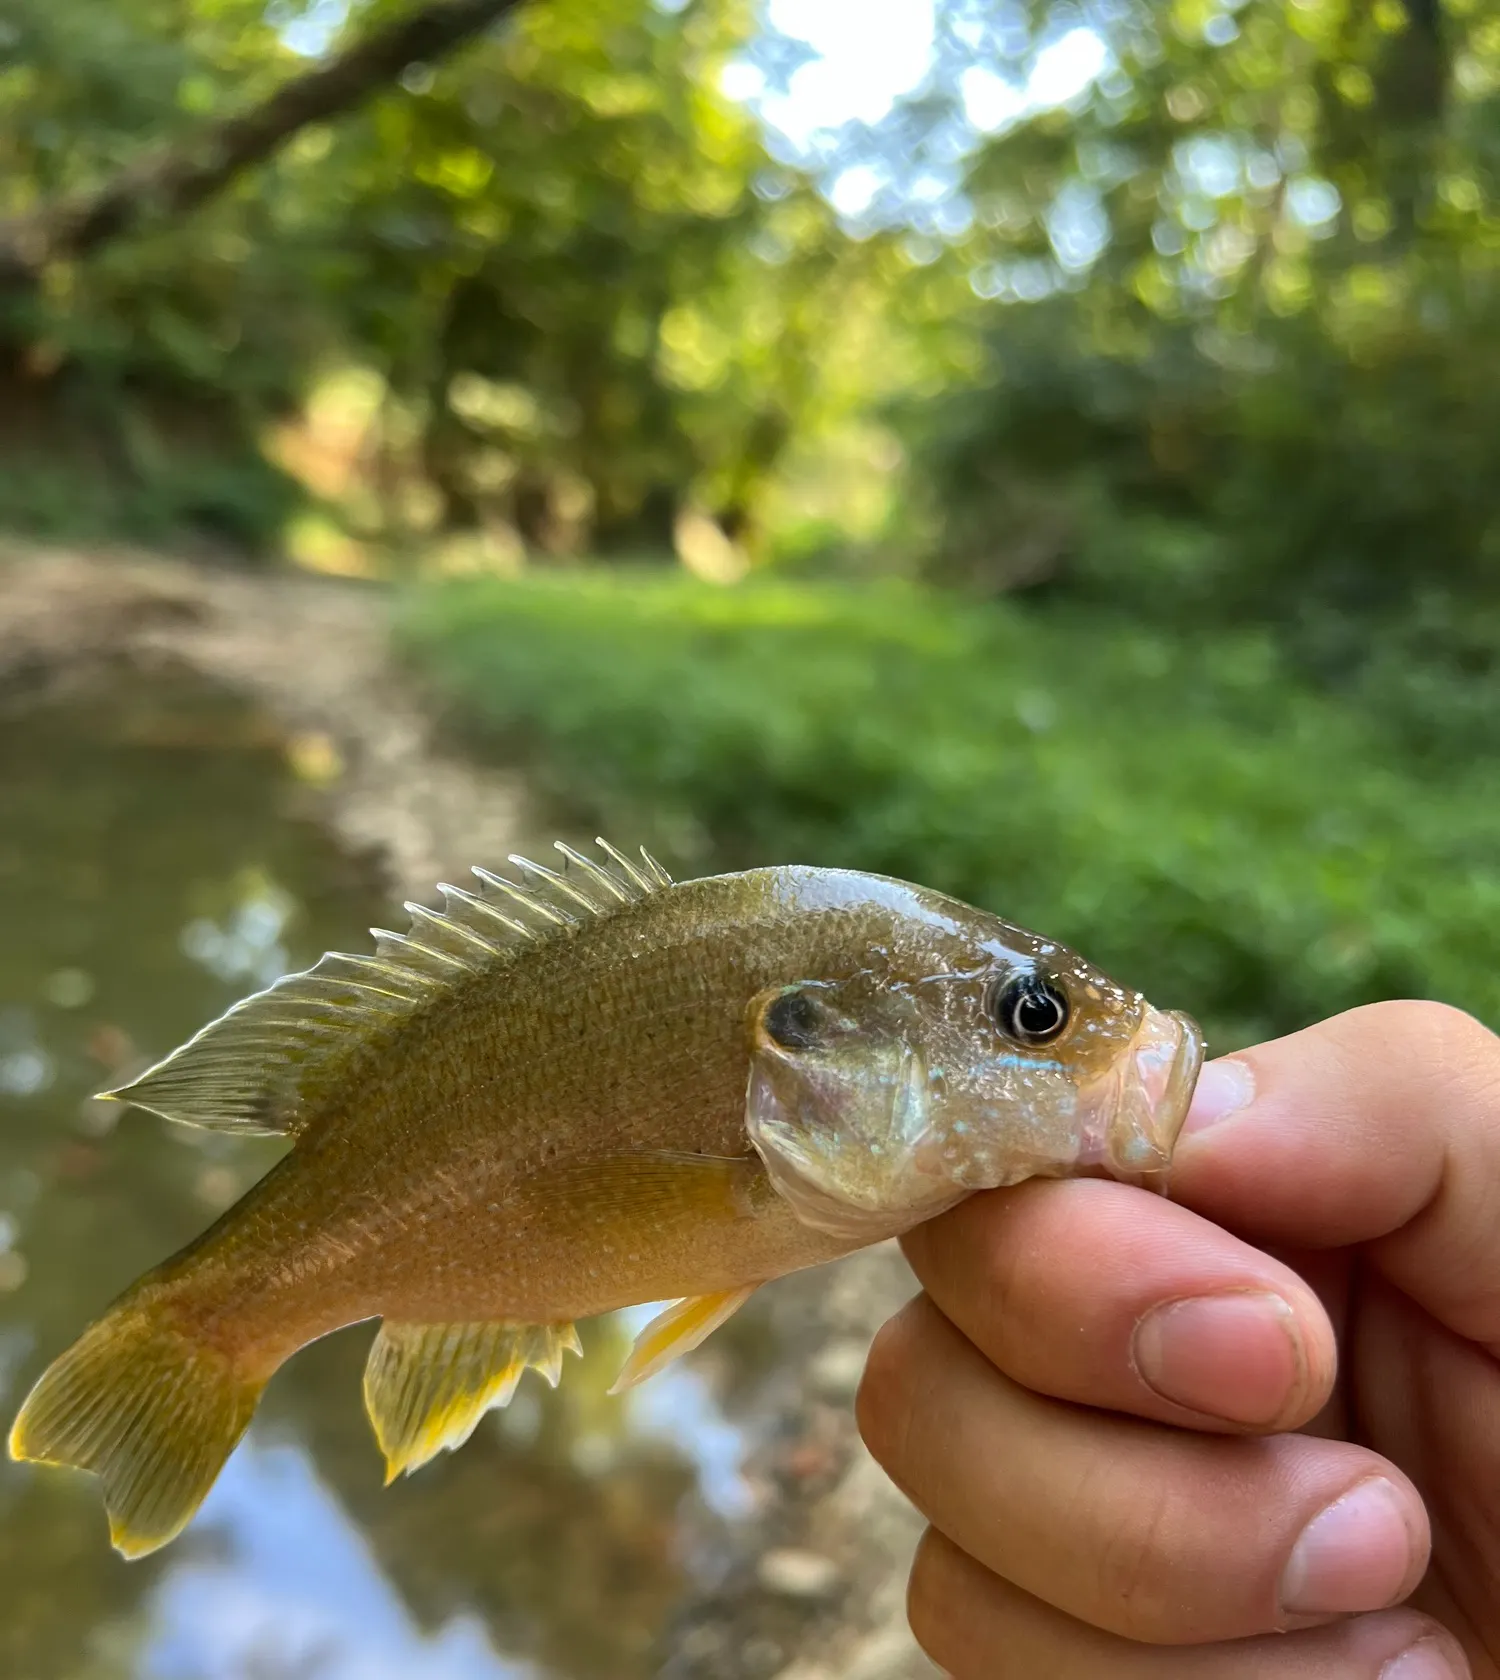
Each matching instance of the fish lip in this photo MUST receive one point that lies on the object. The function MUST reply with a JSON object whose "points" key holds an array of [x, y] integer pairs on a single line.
{"points": [[1182, 1078], [1135, 1114]]}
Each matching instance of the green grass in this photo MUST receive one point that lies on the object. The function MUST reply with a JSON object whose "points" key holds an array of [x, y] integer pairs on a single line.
{"points": [[1182, 813]]}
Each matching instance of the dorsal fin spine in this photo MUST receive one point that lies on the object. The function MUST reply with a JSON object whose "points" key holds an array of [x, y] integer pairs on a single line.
{"points": [[473, 905], [415, 948], [662, 878], [452, 928], [269, 1062], [601, 878], [403, 943], [620, 861], [558, 883], [520, 894]]}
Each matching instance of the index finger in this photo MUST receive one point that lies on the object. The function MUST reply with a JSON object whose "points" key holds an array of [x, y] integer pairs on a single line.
{"points": [[1378, 1127], [1111, 1297]]}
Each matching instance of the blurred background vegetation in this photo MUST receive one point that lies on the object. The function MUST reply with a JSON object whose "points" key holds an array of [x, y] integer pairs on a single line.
{"points": [[1043, 450]]}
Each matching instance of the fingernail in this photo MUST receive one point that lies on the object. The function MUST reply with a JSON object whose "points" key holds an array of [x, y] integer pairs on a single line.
{"points": [[1223, 1088], [1236, 1357], [1355, 1555], [1427, 1661]]}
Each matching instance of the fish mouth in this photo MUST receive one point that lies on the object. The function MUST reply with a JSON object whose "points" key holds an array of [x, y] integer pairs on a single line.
{"points": [[1134, 1115]]}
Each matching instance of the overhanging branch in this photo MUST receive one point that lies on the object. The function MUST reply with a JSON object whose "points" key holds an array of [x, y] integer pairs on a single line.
{"points": [[175, 179]]}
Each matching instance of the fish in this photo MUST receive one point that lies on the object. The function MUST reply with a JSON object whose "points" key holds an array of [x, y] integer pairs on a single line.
{"points": [[575, 1090]]}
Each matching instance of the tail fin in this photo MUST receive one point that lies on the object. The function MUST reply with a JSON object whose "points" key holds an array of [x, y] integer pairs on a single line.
{"points": [[153, 1412]]}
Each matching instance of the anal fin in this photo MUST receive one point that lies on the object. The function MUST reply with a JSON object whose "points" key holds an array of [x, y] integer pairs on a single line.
{"points": [[678, 1330], [427, 1385]]}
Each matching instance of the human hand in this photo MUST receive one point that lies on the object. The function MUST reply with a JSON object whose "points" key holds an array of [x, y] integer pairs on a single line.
{"points": [[1217, 1438]]}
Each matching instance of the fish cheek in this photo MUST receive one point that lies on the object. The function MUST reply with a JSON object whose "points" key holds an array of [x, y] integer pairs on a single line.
{"points": [[1012, 1119], [829, 1132], [791, 1121]]}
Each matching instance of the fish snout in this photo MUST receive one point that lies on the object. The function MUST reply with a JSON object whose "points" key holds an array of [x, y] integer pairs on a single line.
{"points": [[1133, 1116]]}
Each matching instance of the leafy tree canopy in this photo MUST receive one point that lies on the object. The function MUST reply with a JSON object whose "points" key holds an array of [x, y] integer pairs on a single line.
{"points": [[1215, 337]]}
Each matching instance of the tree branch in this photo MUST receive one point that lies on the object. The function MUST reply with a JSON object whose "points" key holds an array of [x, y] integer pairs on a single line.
{"points": [[175, 179]]}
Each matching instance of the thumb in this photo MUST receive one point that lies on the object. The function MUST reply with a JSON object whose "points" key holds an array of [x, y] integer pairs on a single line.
{"points": [[1379, 1127]]}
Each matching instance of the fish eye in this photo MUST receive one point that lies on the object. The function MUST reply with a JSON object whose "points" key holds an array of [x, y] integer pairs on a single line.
{"points": [[1030, 1009], [792, 1020]]}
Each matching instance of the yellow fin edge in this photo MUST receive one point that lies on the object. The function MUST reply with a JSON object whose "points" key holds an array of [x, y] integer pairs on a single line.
{"points": [[676, 1331], [426, 1386], [151, 1412]]}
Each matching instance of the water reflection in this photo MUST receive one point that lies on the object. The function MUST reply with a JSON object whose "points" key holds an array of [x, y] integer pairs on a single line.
{"points": [[257, 1609], [679, 1406], [247, 948], [151, 873]]}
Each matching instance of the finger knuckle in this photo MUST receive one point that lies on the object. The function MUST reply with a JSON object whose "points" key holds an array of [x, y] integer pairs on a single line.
{"points": [[883, 1401], [1425, 1025], [1130, 1573], [930, 1610]]}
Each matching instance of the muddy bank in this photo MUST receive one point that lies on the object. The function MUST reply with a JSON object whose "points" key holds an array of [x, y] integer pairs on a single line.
{"points": [[812, 1584], [312, 653]]}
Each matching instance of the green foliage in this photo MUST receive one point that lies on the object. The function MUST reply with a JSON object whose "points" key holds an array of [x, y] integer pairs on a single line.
{"points": [[216, 505], [1245, 284], [590, 296], [1182, 811], [133, 387], [1234, 303], [603, 294]]}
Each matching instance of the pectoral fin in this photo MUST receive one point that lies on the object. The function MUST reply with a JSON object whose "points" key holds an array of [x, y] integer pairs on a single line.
{"points": [[428, 1385], [677, 1331], [648, 1184]]}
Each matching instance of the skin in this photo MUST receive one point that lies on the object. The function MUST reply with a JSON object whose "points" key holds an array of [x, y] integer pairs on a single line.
{"points": [[1118, 1453]]}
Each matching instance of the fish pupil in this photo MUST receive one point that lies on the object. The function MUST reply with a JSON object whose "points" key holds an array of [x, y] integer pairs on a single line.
{"points": [[1032, 1010], [792, 1021]]}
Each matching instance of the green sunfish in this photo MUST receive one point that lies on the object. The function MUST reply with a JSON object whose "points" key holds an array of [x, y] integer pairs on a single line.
{"points": [[578, 1090]]}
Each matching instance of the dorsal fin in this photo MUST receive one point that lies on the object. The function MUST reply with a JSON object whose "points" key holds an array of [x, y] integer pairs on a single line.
{"points": [[264, 1064]]}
